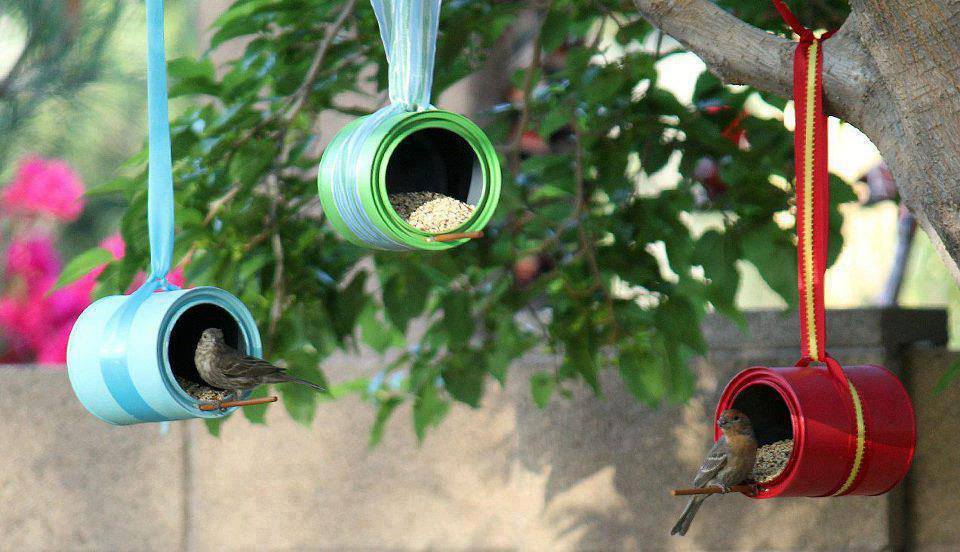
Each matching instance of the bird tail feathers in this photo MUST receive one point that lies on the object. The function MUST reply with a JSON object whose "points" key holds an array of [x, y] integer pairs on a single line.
{"points": [[683, 524], [310, 384]]}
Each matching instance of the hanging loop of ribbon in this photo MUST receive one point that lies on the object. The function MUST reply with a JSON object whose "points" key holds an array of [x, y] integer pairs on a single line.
{"points": [[160, 168], [160, 214], [813, 204], [409, 31], [812, 184]]}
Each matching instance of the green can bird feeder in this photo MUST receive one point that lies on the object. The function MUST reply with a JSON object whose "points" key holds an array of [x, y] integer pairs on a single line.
{"points": [[407, 146]]}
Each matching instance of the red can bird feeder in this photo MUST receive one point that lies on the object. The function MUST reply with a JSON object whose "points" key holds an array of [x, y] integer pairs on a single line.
{"points": [[853, 428]]}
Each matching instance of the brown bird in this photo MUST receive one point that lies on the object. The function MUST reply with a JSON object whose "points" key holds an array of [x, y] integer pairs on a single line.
{"points": [[223, 367], [728, 463]]}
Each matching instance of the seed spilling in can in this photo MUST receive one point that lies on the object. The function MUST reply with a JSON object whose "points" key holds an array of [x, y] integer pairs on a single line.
{"points": [[771, 460], [431, 212], [202, 392]]}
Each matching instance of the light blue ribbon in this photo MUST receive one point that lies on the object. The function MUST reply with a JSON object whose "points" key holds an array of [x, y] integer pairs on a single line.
{"points": [[409, 31], [160, 175], [113, 351]]}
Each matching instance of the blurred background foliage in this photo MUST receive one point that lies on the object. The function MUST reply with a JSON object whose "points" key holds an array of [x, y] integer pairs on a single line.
{"points": [[640, 193], [72, 81]]}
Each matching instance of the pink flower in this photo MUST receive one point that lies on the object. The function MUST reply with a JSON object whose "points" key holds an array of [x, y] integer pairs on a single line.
{"points": [[35, 325], [66, 304], [116, 245], [175, 277], [35, 260], [53, 350], [44, 187]]}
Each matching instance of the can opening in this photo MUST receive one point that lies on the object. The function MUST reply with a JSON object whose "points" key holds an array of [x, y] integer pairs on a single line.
{"points": [[768, 413], [185, 336], [773, 427], [435, 160]]}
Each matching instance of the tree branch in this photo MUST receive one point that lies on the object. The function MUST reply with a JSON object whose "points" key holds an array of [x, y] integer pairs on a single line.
{"points": [[300, 96], [739, 53], [735, 51]]}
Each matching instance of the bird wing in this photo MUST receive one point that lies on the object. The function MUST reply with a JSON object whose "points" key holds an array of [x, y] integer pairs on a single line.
{"points": [[239, 365], [715, 461]]}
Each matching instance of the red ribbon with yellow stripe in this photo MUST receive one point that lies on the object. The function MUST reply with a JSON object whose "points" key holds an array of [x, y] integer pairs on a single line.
{"points": [[813, 184], [813, 204]]}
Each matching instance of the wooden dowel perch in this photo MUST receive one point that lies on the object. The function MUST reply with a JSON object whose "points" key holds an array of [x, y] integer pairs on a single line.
{"points": [[455, 236], [745, 489], [231, 404]]}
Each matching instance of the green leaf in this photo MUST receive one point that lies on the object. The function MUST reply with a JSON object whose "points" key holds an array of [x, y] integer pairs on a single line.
{"points": [[257, 414], [643, 374], [376, 333], [429, 409], [554, 31], [541, 387], [579, 358], [188, 68], [214, 425], [348, 304], [119, 184], [457, 318], [718, 253], [600, 84], [508, 344], [464, 376], [949, 375], [679, 321], [380, 422], [404, 297], [774, 255], [300, 402], [81, 265]]}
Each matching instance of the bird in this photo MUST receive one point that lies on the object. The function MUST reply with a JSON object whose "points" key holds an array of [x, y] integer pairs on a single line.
{"points": [[730, 462], [223, 367]]}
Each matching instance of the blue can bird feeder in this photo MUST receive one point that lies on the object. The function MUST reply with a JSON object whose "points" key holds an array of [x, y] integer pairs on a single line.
{"points": [[126, 352]]}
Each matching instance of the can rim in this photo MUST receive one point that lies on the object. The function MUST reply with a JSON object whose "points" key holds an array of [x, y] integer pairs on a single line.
{"points": [[485, 158], [192, 297], [756, 376]]}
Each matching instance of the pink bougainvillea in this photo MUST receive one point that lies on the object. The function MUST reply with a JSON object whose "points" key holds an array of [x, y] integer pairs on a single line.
{"points": [[35, 323], [34, 259], [44, 187]]}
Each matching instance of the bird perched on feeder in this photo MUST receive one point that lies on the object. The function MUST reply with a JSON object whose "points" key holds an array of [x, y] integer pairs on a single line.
{"points": [[728, 463], [222, 366]]}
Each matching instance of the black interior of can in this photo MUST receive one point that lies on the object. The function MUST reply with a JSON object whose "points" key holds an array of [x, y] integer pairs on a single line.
{"points": [[767, 411], [433, 160], [186, 332]]}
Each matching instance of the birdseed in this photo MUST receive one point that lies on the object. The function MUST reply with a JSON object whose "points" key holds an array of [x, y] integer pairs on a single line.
{"points": [[431, 212], [771, 460], [202, 392]]}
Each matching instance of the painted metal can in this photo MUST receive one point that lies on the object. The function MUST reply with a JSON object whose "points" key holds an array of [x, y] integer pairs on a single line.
{"points": [[844, 442], [123, 366], [396, 151]]}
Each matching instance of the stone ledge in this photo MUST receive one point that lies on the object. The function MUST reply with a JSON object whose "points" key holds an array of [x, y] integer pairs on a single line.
{"points": [[582, 474], [858, 328]]}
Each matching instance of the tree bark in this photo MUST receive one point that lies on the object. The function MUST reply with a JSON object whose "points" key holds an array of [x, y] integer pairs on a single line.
{"points": [[893, 71]]}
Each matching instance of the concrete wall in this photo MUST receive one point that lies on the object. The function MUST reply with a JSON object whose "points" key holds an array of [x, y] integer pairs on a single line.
{"points": [[583, 474]]}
